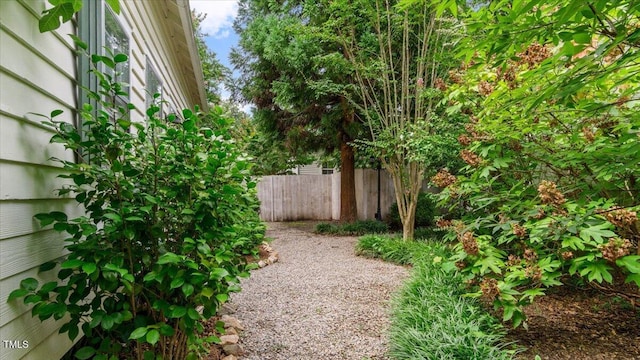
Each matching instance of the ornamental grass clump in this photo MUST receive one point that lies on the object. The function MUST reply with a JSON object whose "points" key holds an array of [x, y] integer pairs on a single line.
{"points": [[431, 319]]}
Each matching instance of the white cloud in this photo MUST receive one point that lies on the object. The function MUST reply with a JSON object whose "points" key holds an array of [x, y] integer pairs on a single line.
{"points": [[220, 15]]}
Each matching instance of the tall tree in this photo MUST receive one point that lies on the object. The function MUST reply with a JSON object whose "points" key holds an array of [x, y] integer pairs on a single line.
{"points": [[297, 80], [399, 61]]}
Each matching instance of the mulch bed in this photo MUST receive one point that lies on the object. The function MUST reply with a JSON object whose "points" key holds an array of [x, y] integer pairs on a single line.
{"points": [[580, 324]]}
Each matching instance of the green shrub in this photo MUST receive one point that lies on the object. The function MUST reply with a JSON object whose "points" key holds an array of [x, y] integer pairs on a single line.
{"points": [[360, 227], [171, 209], [425, 212], [390, 248], [428, 233], [432, 320], [326, 228]]}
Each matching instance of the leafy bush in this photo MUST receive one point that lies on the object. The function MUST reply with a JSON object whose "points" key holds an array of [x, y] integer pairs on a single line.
{"points": [[170, 210], [550, 190], [392, 249], [431, 319], [428, 233], [326, 228], [360, 227], [425, 212]]}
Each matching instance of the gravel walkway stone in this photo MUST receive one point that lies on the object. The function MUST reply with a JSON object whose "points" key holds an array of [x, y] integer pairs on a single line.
{"points": [[319, 301]]}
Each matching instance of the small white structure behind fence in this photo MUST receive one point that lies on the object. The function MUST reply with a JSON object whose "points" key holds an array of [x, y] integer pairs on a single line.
{"points": [[317, 197]]}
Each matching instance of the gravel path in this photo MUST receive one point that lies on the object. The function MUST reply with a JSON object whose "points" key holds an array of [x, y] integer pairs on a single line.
{"points": [[319, 301]]}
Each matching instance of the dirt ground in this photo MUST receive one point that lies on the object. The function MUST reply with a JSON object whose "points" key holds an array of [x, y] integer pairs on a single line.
{"points": [[578, 324]]}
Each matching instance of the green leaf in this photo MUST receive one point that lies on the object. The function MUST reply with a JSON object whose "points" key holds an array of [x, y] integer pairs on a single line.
{"points": [[72, 264], [113, 216], [47, 266], [177, 282], [168, 258], [193, 314], [79, 43], [119, 58], [187, 289], [230, 190], [573, 242], [55, 113], [218, 273], [50, 19], [114, 5], [582, 38], [138, 333], [222, 298], [18, 293], [177, 311], [48, 287], [489, 262], [29, 284], [597, 233], [166, 330], [633, 277], [597, 271], [85, 353], [89, 268], [631, 263], [207, 292], [107, 322]]}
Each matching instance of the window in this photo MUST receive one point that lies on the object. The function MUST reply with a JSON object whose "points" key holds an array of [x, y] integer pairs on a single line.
{"points": [[327, 169], [154, 86], [104, 33], [101, 30], [116, 41]]}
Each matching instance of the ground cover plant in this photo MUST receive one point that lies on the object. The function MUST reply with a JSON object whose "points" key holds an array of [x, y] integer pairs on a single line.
{"points": [[171, 211], [359, 227], [431, 318]]}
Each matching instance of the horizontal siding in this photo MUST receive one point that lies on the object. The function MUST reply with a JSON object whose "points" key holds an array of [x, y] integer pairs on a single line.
{"points": [[14, 102], [30, 144], [24, 181], [37, 75], [20, 215], [312, 169], [34, 331], [19, 254], [14, 309], [53, 347]]}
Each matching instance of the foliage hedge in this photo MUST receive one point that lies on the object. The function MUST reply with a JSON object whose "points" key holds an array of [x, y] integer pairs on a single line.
{"points": [[171, 209]]}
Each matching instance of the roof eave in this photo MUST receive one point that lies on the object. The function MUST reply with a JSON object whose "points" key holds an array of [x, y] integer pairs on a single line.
{"points": [[187, 26]]}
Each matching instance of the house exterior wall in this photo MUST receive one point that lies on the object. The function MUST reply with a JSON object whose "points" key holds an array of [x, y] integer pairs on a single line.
{"points": [[38, 74]]}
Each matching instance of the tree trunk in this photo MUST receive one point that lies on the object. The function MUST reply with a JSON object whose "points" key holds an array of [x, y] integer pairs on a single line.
{"points": [[406, 193], [409, 225], [348, 206]]}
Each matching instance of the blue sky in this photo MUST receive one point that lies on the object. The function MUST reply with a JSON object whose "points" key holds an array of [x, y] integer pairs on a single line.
{"points": [[218, 26]]}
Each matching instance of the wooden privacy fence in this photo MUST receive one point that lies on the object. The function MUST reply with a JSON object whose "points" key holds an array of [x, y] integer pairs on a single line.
{"points": [[317, 197]]}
